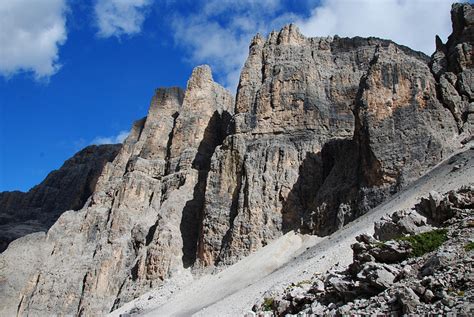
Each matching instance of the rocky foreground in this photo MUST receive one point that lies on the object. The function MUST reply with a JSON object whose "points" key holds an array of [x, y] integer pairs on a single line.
{"points": [[422, 262]]}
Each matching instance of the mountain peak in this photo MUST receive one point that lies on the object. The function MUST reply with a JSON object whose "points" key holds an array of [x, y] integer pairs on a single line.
{"points": [[201, 75]]}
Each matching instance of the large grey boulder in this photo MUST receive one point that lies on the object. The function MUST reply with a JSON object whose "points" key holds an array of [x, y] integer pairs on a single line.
{"points": [[400, 223]]}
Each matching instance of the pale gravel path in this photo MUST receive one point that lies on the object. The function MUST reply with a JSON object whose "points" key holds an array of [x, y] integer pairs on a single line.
{"points": [[235, 290]]}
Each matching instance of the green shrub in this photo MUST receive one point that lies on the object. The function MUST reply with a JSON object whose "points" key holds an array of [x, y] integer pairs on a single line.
{"points": [[469, 246], [268, 304], [426, 242]]}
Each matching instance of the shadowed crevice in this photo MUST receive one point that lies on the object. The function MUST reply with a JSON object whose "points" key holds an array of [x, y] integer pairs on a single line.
{"points": [[192, 217], [296, 205], [227, 238], [170, 142], [321, 199]]}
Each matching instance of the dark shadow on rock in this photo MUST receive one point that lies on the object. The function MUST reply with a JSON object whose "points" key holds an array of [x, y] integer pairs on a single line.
{"points": [[191, 221], [227, 238], [297, 204], [334, 204], [322, 199]]}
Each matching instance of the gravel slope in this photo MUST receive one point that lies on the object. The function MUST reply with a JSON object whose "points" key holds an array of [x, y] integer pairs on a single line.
{"points": [[291, 258]]}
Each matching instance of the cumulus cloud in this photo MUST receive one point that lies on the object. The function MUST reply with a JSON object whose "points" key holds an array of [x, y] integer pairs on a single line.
{"points": [[120, 17], [31, 32], [119, 138], [219, 32], [413, 23]]}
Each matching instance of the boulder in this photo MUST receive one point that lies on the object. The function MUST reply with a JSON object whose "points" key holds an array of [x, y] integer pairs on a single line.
{"points": [[408, 300], [439, 260], [376, 277], [398, 224]]}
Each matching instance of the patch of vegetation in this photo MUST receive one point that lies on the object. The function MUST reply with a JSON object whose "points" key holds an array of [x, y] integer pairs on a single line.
{"points": [[455, 292], [299, 284], [426, 242], [268, 304], [469, 247]]}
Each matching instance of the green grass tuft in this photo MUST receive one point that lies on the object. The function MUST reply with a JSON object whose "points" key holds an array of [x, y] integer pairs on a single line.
{"points": [[426, 242], [301, 283], [268, 304], [469, 247]]}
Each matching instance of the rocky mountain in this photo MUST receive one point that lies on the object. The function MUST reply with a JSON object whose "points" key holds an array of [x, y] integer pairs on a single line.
{"points": [[321, 130], [290, 264], [65, 189]]}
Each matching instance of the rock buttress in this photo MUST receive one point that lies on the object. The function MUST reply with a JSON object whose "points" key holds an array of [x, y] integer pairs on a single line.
{"points": [[452, 66], [325, 129], [140, 225]]}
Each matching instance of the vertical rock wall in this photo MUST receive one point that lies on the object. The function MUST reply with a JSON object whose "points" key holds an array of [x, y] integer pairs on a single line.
{"points": [[325, 128], [141, 224], [452, 66]]}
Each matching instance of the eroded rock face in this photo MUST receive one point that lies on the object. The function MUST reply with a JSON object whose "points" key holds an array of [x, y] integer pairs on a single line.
{"points": [[325, 129], [402, 128], [65, 189], [141, 224], [452, 65]]}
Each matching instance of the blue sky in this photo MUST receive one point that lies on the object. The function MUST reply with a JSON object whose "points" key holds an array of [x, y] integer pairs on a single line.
{"points": [[74, 73]]}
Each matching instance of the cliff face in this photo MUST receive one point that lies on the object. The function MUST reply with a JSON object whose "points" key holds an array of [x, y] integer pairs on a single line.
{"points": [[140, 225], [325, 128], [65, 189], [322, 130], [452, 65]]}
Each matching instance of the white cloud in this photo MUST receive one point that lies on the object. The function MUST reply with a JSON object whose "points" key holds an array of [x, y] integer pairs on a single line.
{"points": [[413, 23], [31, 32], [120, 17], [119, 138], [220, 32]]}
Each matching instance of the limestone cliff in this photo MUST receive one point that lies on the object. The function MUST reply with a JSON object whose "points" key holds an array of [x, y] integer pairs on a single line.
{"points": [[325, 129], [452, 65], [65, 189], [322, 130], [140, 225]]}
